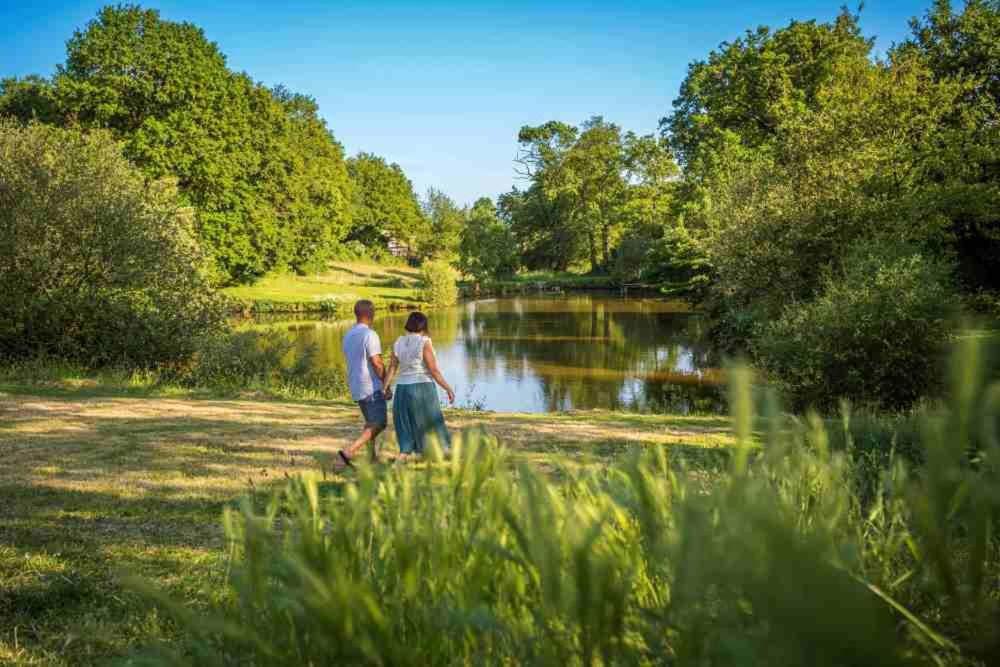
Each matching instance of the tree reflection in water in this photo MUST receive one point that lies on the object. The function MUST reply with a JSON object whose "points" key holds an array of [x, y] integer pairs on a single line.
{"points": [[548, 353]]}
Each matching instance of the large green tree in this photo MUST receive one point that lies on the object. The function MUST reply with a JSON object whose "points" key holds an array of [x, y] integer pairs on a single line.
{"points": [[964, 46], [446, 222], [265, 176], [589, 185], [487, 249], [385, 208], [745, 87]]}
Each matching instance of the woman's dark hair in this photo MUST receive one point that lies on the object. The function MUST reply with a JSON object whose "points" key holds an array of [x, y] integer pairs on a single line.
{"points": [[416, 322]]}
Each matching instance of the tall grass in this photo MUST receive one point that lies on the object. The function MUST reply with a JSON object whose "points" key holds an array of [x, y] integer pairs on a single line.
{"points": [[233, 363], [780, 561]]}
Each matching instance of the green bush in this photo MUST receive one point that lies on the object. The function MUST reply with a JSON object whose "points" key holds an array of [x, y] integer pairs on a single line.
{"points": [[628, 260], [97, 265], [874, 334], [775, 563], [263, 360], [438, 284]]}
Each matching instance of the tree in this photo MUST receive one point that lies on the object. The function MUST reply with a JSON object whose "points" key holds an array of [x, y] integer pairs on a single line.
{"points": [[385, 207], [746, 86], [538, 223], [487, 250], [965, 47], [582, 182], [265, 176], [27, 99], [97, 264], [446, 223]]}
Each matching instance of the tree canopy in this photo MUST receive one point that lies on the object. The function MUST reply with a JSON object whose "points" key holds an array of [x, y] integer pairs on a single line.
{"points": [[385, 207], [266, 177]]}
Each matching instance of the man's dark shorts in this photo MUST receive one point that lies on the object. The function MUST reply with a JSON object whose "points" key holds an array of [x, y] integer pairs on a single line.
{"points": [[375, 409]]}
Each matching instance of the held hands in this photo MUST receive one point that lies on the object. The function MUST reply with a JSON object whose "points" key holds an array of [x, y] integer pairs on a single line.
{"points": [[387, 393]]}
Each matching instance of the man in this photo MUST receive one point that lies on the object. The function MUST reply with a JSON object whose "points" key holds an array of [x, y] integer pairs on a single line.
{"points": [[365, 375]]}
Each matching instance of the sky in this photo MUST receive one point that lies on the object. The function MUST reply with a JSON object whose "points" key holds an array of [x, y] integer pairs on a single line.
{"points": [[443, 87]]}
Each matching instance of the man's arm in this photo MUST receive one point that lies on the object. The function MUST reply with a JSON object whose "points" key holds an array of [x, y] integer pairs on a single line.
{"points": [[376, 362], [373, 349], [390, 375]]}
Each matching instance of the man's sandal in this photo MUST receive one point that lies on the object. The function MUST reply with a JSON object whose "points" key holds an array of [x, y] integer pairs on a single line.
{"points": [[345, 459]]}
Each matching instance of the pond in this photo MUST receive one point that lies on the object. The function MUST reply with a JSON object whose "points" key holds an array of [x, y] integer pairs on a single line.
{"points": [[558, 352]]}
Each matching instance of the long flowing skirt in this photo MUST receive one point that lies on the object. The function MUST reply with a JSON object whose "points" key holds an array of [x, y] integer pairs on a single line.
{"points": [[417, 417]]}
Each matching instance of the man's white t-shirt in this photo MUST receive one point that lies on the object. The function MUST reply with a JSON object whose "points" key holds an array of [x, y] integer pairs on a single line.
{"points": [[361, 343]]}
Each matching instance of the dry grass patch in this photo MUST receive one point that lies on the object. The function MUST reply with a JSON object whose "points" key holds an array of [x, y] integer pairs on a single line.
{"points": [[95, 486]]}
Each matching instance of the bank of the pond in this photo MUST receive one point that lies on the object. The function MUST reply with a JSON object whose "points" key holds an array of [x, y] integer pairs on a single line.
{"points": [[97, 483], [332, 293], [393, 288]]}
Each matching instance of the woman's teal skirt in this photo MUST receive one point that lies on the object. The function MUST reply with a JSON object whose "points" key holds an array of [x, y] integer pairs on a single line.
{"points": [[417, 417]]}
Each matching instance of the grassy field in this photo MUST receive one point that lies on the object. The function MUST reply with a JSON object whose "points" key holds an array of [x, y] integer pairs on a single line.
{"points": [[98, 483], [344, 282], [392, 286]]}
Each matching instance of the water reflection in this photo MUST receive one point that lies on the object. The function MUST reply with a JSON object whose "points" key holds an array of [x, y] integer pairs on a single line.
{"points": [[538, 354]]}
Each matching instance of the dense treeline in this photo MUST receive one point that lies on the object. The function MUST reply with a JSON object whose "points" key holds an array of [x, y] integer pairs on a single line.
{"points": [[268, 181], [824, 204]]}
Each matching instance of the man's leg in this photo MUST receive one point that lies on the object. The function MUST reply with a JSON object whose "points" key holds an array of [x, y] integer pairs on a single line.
{"points": [[371, 432]]}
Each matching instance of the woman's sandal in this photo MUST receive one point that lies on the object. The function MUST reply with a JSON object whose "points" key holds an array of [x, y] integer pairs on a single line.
{"points": [[345, 459]]}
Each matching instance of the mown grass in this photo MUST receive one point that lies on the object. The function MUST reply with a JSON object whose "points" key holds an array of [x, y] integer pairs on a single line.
{"points": [[101, 480], [344, 281]]}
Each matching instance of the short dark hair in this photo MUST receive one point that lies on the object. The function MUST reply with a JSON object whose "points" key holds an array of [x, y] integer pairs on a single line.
{"points": [[416, 322], [364, 308]]}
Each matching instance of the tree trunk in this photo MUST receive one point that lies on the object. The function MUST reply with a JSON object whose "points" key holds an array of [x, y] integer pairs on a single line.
{"points": [[605, 233], [593, 251]]}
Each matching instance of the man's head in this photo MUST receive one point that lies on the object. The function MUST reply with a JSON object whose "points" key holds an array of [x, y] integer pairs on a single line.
{"points": [[364, 311]]}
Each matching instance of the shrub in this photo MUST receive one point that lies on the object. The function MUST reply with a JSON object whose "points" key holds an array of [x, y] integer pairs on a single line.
{"points": [[265, 360], [776, 563], [873, 335], [97, 265], [628, 259], [438, 284]]}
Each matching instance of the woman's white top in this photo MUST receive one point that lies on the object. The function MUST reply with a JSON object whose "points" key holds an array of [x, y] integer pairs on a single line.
{"points": [[409, 350]]}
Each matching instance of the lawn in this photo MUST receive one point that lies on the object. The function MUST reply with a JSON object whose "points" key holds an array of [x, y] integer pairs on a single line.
{"points": [[344, 281], [97, 484]]}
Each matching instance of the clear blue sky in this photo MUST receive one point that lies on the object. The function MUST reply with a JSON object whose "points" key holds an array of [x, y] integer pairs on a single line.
{"points": [[442, 87]]}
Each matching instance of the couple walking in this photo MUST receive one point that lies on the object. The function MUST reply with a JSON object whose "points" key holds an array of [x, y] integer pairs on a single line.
{"points": [[413, 367]]}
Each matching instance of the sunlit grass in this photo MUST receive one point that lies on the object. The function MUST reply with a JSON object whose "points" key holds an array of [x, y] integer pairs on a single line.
{"points": [[99, 480], [345, 281]]}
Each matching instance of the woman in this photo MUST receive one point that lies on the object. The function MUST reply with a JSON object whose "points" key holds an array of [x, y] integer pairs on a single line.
{"points": [[416, 413]]}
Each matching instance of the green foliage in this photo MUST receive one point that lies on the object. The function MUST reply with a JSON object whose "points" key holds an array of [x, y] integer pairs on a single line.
{"points": [[266, 178], [798, 154], [873, 334], [447, 221], [778, 562], [265, 360], [963, 46], [745, 88], [487, 250], [438, 283], [677, 263], [385, 207], [97, 264], [589, 186]]}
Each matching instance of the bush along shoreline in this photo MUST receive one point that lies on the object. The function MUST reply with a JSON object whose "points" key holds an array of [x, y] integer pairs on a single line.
{"points": [[326, 307]]}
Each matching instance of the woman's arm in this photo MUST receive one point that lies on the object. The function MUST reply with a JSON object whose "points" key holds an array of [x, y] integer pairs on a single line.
{"points": [[430, 360], [390, 375]]}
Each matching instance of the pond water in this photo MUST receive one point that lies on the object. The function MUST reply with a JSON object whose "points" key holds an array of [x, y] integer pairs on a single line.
{"points": [[559, 352]]}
